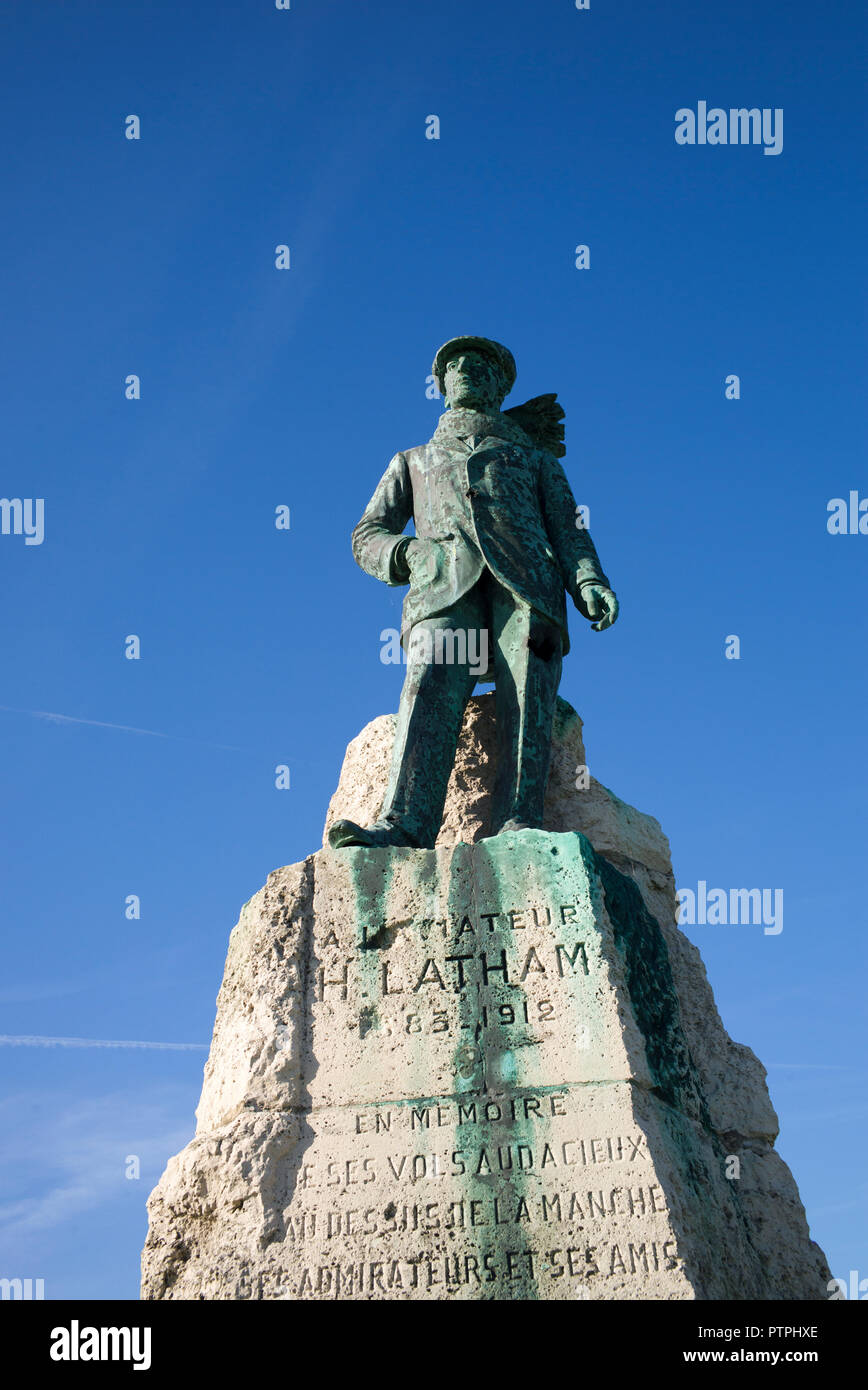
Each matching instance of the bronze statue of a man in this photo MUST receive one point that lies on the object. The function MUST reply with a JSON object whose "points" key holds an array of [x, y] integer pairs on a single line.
{"points": [[498, 543]]}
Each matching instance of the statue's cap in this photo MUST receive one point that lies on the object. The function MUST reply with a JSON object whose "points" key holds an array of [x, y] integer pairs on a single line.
{"points": [[496, 351]]}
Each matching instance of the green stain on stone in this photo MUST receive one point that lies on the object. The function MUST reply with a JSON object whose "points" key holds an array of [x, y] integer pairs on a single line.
{"points": [[494, 1062], [651, 988], [640, 941], [483, 879], [506, 1068]]}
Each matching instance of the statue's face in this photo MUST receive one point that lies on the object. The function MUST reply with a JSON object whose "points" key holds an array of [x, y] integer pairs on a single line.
{"points": [[474, 380]]}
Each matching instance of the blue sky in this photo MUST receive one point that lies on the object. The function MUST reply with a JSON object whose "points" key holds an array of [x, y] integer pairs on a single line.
{"points": [[262, 387]]}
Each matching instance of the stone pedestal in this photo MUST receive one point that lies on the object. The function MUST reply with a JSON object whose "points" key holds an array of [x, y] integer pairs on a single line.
{"points": [[484, 1071]]}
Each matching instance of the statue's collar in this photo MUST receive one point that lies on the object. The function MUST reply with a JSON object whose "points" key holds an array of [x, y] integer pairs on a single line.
{"points": [[461, 423]]}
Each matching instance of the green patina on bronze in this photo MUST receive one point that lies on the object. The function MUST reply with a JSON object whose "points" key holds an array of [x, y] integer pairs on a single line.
{"points": [[496, 549]]}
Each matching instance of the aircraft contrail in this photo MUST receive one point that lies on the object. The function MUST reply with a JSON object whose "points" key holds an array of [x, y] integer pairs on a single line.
{"points": [[27, 1040], [122, 728]]}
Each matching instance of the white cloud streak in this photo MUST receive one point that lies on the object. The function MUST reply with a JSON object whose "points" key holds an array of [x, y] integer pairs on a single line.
{"points": [[33, 1040], [50, 717], [60, 1159]]}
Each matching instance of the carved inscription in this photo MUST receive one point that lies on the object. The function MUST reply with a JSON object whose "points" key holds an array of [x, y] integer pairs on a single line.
{"points": [[473, 1161], [510, 1178], [482, 1266], [467, 964], [585, 1206]]}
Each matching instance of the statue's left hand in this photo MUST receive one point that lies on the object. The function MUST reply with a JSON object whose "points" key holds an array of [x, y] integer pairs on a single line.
{"points": [[595, 601]]}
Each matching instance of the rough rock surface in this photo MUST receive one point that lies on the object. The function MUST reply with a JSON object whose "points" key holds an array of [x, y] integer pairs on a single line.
{"points": [[493, 1070]]}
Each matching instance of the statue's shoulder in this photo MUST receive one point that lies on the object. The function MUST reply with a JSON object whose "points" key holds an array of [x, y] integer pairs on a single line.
{"points": [[417, 454], [402, 457]]}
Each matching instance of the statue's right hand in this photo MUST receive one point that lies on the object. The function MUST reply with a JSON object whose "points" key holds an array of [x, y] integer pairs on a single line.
{"points": [[422, 559], [399, 564]]}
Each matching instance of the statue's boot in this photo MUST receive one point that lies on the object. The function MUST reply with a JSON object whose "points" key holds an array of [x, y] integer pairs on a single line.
{"points": [[345, 833]]}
